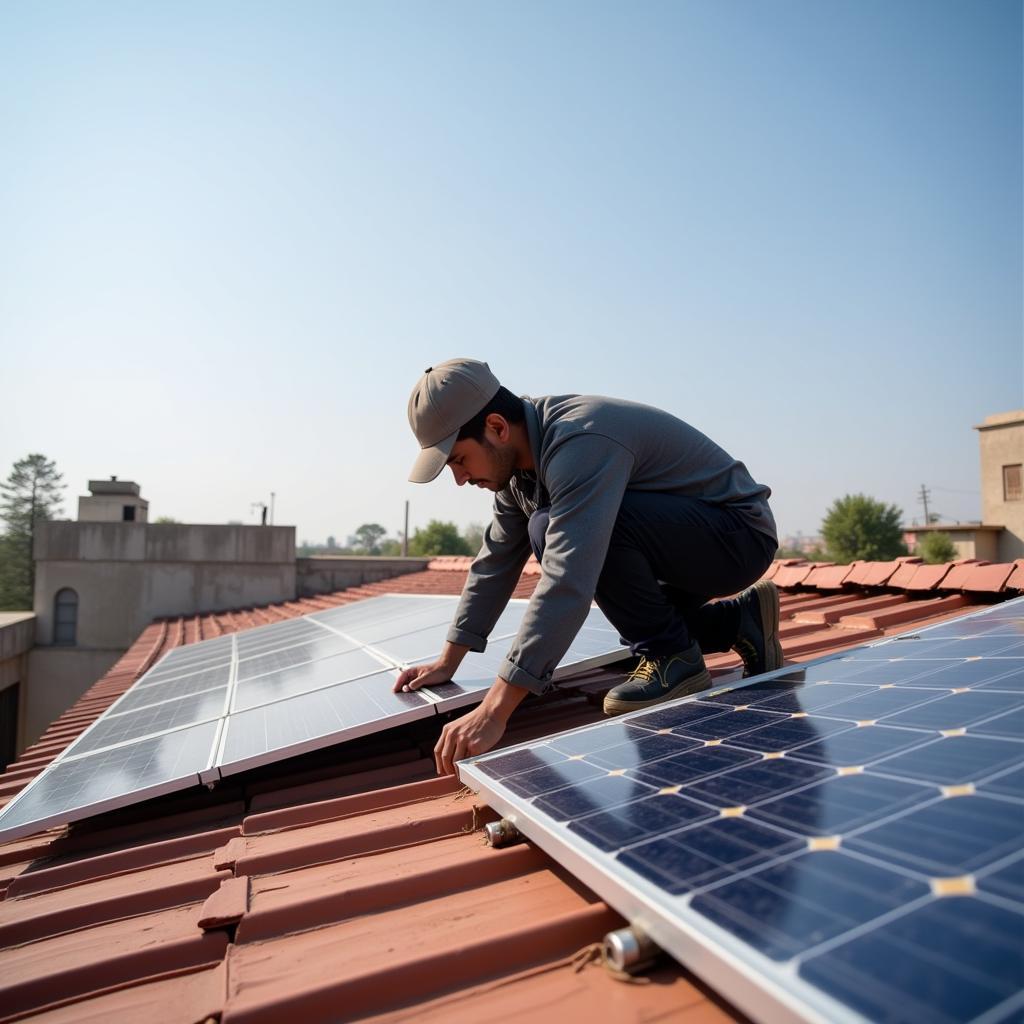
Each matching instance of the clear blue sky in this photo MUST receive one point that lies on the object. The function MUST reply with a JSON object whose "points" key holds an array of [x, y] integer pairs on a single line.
{"points": [[233, 234]]}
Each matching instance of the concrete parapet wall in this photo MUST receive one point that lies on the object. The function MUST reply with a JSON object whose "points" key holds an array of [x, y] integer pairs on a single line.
{"points": [[127, 574], [117, 600], [163, 542], [326, 573], [17, 633]]}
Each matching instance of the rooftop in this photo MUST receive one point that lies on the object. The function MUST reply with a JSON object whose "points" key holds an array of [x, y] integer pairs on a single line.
{"points": [[353, 883]]}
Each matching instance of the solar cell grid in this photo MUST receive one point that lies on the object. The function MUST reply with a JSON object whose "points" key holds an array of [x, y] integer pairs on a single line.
{"points": [[134, 725], [98, 780], [144, 696], [833, 842], [289, 657], [860, 746], [952, 760], [264, 694], [879, 702], [957, 710], [314, 675], [203, 677], [838, 805], [206, 650], [796, 904], [184, 667], [314, 720], [947, 961]]}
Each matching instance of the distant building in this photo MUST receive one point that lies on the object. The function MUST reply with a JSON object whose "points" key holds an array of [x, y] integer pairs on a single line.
{"points": [[999, 537], [113, 501], [799, 542], [102, 579]]}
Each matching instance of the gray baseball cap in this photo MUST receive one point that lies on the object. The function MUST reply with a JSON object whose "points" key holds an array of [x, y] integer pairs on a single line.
{"points": [[444, 400]]}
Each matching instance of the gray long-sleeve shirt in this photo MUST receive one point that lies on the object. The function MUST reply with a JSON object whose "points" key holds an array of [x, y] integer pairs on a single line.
{"points": [[587, 451]]}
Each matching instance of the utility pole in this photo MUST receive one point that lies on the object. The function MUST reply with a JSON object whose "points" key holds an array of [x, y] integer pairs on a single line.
{"points": [[405, 533], [925, 494], [272, 496]]}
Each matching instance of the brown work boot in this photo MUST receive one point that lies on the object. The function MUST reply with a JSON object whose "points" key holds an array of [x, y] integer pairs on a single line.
{"points": [[757, 638], [656, 680]]}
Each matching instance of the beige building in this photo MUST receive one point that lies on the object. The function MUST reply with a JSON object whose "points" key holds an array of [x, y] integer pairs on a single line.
{"points": [[999, 537], [113, 501], [101, 580], [17, 633], [1002, 488]]}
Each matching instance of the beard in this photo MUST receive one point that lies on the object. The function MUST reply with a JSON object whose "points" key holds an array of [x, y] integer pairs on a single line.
{"points": [[502, 466]]}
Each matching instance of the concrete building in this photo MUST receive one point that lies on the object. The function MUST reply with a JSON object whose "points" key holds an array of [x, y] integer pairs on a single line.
{"points": [[17, 632], [101, 580], [999, 537], [98, 583], [113, 501], [1001, 438]]}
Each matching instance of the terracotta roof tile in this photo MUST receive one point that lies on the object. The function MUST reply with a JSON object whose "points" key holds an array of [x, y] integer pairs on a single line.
{"points": [[189, 998], [828, 577], [871, 574], [351, 878], [928, 577], [792, 575], [1016, 580], [99, 957], [959, 572], [989, 578]]}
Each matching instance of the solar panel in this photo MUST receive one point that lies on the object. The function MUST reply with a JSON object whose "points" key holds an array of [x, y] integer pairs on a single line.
{"points": [[843, 841], [221, 706]]}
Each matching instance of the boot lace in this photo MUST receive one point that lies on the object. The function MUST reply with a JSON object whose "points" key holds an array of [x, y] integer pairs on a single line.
{"points": [[645, 671]]}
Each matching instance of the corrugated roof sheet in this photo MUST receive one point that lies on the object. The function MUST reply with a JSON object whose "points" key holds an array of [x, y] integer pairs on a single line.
{"points": [[353, 884]]}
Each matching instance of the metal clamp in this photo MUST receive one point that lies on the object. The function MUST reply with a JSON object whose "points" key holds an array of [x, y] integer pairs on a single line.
{"points": [[502, 833], [630, 950]]}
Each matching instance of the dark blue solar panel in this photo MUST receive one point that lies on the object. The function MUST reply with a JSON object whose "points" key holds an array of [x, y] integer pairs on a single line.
{"points": [[953, 760], [957, 710], [787, 908], [945, 962], [860, 746], [698, 857], [952, 836], [859, 821], [839, 805]]}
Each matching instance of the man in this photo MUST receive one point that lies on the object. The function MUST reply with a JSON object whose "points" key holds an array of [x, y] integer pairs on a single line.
{"points": [[621, 503]]}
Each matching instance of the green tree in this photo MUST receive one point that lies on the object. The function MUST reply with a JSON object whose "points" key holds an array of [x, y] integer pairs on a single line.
{"points": [[438, 538], [368, 538], [165, 520], [391, 548], [858, 527], [937, 548], [32, 492]]}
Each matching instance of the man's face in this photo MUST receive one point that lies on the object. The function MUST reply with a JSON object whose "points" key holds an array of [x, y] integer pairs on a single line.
{"points": [[482, 464]]}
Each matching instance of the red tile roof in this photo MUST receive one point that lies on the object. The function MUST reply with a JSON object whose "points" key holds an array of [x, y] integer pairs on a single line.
{"points": [[353, 883]]}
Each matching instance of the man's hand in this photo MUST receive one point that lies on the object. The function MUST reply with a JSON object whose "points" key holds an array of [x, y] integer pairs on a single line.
{"points": [[480, 730], [440, 671], [422, 675]]}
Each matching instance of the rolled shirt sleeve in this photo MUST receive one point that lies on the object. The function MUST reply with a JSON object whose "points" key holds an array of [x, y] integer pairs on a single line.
{"points": [[493, 575], [586, 477]]}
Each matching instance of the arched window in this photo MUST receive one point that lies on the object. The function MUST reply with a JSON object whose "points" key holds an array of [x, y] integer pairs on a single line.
{"points": [[65, 616]]}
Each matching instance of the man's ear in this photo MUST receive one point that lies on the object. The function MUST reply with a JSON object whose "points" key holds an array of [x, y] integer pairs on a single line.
{"points": [[499, 425]]}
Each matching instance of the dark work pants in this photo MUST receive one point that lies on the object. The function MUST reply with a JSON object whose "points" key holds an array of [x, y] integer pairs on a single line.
{"points": [[669, 555]]}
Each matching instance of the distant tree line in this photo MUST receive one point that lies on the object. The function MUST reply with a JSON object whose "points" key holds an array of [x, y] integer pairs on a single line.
{"points": [[859, 528], [436, 538], [31, 494]]}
